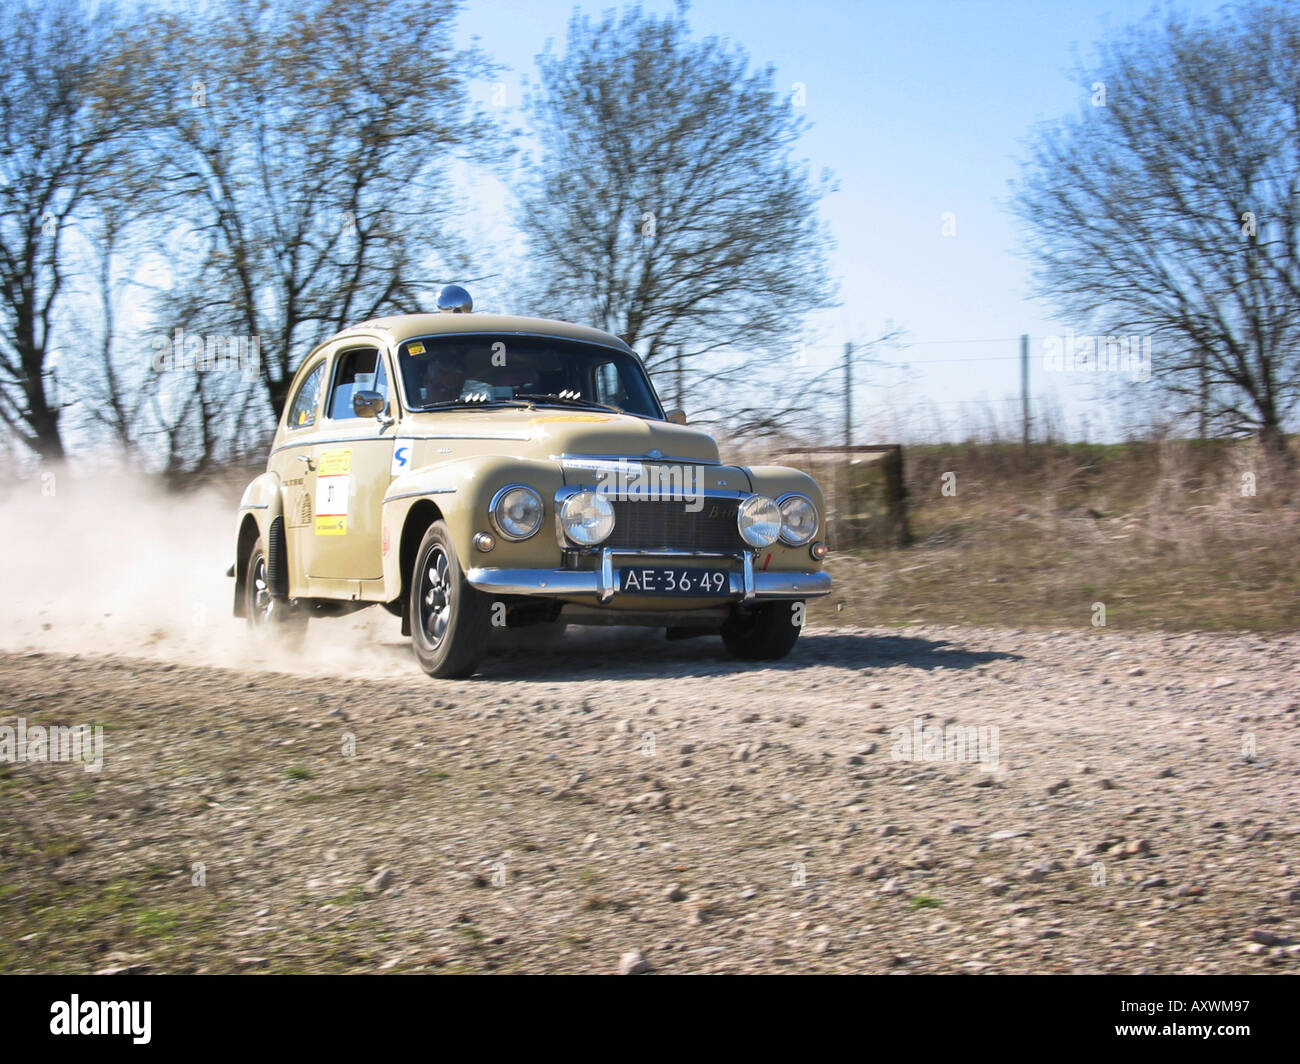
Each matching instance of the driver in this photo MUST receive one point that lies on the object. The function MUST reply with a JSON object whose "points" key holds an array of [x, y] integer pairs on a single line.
{"points": [[443, 381]]}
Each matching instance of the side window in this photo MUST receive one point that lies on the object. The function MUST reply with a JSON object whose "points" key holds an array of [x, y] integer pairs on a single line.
{"points": [[358, 370], [302, 411]]}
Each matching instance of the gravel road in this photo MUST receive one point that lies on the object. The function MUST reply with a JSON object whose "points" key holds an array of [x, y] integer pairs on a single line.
{"points": [[1122, 803]]}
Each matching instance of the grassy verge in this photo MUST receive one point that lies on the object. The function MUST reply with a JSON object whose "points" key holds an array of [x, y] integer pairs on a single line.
{"points": [[1161, 536]]}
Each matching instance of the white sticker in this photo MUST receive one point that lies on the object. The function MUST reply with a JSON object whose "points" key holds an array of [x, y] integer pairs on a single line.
{"points": [[401, 457], [332, 495]]}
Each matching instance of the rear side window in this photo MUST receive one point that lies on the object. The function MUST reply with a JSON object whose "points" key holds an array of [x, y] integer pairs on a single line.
{"points": [[302, 411], [359, 370]]}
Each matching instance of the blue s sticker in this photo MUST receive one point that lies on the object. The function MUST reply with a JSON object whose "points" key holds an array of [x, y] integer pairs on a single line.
{"points": [[401, 457]]}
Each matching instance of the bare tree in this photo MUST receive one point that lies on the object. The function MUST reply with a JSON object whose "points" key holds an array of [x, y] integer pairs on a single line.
{"points": [[308, 144], [665, 204], [62, 71], [1170, 208]]}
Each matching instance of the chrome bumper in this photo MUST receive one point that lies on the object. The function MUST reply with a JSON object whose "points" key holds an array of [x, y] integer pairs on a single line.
{"points": [[600, 583]]}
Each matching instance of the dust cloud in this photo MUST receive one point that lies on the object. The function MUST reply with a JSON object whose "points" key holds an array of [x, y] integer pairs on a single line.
{"points": [[113, 564]]}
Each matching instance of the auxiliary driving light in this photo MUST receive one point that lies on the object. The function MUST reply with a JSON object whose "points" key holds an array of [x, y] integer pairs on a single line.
{"points": [[798, 519], [759, 521], [587, 518]]}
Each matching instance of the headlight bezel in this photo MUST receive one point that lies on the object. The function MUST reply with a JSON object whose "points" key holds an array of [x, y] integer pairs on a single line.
{"points": [[790, 496], [752, 502], [573, 499], [495, 518]]}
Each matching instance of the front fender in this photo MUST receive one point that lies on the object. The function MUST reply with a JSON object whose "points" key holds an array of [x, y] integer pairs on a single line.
{"points": [[775, 481], [459, 492]]}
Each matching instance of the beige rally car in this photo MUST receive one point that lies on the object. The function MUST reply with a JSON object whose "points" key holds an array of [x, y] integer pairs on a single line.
{"points": [[468, 471]]}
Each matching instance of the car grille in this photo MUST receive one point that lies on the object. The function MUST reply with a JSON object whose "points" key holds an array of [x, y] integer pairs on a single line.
{"points": [[658, 525]]}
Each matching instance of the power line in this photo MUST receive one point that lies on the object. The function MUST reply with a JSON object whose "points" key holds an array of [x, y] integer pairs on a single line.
{"points": [[923, 343], [949, 361]]}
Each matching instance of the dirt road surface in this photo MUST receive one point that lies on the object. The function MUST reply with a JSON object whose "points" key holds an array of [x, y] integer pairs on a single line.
{"points": [[1124, 803]]}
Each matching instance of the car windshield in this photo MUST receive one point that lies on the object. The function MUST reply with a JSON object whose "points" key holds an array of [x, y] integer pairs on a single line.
{"points": [[483, 368]]}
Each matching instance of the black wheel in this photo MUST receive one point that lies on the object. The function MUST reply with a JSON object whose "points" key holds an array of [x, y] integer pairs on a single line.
{"points": [[766, 632], [268, 616], [449, 619]]}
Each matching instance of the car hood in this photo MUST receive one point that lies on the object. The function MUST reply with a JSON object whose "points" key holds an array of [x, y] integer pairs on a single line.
{"points": [[549, 432]]}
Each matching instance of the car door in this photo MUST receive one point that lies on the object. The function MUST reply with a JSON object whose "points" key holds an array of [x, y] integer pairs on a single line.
{"points": [[351, 460], [292, 462]]}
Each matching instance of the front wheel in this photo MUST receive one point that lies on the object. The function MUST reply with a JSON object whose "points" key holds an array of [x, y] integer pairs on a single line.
{"points": [[766, 632], [269, 616], [449, 619]]}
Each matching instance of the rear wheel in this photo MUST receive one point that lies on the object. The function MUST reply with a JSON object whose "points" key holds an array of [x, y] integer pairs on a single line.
{"points": [[269, 617], [449, 619], [766, 632]]}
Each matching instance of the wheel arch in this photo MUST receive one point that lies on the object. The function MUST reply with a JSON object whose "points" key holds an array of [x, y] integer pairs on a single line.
{"points": [[277, 558], [248, 534], [419, 517]]}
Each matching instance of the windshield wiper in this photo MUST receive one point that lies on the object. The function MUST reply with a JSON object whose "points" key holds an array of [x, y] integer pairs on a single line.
{"points": [[475, 402], [565, 400]]}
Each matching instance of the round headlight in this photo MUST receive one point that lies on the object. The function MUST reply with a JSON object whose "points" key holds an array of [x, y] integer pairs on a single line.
{"points": [[798, 520], [759, 521], [517, 511], [587, 518]]}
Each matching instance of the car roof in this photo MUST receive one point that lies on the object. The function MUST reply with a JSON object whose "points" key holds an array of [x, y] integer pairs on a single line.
{"points": [[401, 327]]}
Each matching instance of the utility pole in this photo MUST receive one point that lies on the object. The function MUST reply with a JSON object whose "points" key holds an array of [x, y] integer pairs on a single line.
{"points": [[1203, 429], [848, 395], [1024, 385], [677, 374]]}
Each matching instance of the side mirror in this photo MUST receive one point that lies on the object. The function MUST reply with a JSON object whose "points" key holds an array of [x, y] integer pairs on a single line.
{"points": [[677, 417], [368, 404]]}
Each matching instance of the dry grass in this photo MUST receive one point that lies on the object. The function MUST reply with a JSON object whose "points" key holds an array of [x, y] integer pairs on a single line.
{"points": [[1164, 535]]}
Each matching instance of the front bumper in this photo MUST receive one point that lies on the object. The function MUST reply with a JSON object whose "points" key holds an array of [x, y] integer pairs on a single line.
{"points": [[600, 584]]}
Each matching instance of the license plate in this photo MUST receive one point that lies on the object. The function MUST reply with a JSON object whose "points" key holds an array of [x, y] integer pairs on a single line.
{"points": [[664, 580]]}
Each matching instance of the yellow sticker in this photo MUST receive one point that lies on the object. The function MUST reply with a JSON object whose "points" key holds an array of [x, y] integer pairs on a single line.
{"points": [[415, 348], [331, 526], [334, 462]]}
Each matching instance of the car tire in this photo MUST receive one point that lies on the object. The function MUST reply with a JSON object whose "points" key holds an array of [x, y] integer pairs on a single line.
{"points": [[269, 617], [765, 632], [449, 619]]}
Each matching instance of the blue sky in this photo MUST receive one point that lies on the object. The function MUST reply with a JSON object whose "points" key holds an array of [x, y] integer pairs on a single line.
{"points": [[919, 108]]}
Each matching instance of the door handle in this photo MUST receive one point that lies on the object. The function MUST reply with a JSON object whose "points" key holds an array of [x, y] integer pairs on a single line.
{"points": [[306, 460]]}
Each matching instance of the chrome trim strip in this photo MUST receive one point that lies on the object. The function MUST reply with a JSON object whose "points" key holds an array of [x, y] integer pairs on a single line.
{"points": [[564, 492], [747, 575], [256, 506], [389, 439], [326, 443], [633, 458], [519, 439], [413, 494]]}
